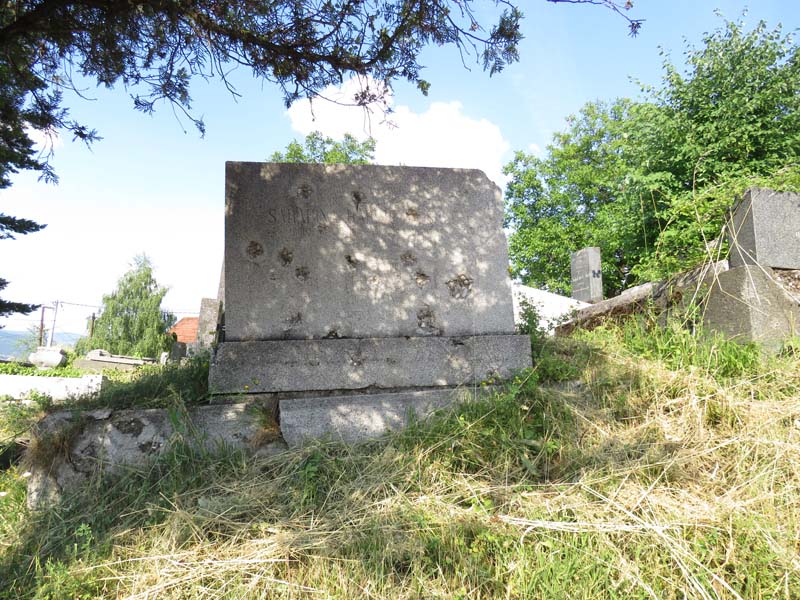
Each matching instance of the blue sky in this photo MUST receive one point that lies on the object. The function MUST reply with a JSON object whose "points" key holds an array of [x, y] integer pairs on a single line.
{"points": [[153, 185]]}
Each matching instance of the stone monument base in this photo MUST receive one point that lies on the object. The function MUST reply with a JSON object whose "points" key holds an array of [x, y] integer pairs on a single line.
{"points": [[354, 389], [357, 417]]}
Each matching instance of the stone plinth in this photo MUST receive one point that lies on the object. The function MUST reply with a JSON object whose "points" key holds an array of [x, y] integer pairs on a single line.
{"points": [[749, 305], [354, 418], [362, 280], [107, 441], [765, 230], [586, 275], [374, 363]]}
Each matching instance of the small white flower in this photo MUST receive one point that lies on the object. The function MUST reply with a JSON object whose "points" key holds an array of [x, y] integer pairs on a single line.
{"points": [[3, 494], [27, 474]]}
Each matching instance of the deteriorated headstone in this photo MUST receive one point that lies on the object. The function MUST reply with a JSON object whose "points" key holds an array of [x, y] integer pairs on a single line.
{"points": [[344, 280], [765, 230], [749, 304], [587, 277], [208, 322]]}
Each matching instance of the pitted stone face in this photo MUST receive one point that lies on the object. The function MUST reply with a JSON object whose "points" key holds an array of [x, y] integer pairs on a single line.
{"points": [[359, 250], [254, 249]]}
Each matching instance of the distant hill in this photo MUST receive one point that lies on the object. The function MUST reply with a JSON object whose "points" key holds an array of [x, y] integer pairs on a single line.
{"points": [[9, 340]]}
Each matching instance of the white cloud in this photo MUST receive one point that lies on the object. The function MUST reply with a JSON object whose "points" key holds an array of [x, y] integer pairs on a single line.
{"points": [[441, 136], [535, 149]]}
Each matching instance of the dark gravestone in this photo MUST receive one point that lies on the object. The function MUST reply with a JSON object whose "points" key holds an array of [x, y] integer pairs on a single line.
{"points": [[587, 278], [765, 230]]}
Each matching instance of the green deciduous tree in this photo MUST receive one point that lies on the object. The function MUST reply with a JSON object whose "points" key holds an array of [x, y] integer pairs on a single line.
{"points": [[318, 149], [132, 322], [651, 181]]}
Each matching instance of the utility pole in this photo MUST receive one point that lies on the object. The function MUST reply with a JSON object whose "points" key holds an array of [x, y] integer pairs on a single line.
{"points": [[41, 328], [53, 330], [91, 326]]}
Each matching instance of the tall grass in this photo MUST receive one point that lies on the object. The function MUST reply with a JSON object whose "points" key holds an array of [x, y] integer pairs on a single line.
{"points": [[613, 469]]}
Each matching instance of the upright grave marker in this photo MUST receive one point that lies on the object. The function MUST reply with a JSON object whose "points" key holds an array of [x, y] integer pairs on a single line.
{"points": [[389, 283], [765, 230], [587, 277], [748, 302]]}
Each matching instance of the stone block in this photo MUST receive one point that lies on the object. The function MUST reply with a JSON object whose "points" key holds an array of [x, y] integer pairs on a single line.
{"points": [[19, 387], [764, 229], [363, 251], [106, 440], [586, 275], [387, 363], [747, 304], [208, 322], [48, 357], [357, 418], [632, 300]]}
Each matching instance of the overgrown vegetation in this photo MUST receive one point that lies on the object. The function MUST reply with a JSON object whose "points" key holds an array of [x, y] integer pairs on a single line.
{"points": [[627, 464], [154, 386], [15, 368], [650, 181], [149, 386]]}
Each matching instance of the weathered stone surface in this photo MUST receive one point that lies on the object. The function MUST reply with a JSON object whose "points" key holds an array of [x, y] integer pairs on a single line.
{"points": [[586, 275], [748, 304], [789, 280], [208, 322], [361, 251], [356, 418], [48, 357], [105, 440], [100, 360], [388, 363], [765, 230], [58, 388]]}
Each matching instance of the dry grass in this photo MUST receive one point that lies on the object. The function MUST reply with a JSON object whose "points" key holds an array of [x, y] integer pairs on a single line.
{"points": [[636, 480]]}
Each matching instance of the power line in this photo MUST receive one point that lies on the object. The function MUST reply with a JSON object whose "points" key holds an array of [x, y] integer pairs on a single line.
{"points": [[79, 304]]}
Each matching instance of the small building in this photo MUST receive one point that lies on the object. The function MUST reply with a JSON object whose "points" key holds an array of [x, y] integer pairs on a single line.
{"points": [[185, 330]]}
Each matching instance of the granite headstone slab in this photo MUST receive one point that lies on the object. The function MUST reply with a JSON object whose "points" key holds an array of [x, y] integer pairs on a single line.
{"points": [[364, 292], [586, 275], [765, 230], [330, 251]]}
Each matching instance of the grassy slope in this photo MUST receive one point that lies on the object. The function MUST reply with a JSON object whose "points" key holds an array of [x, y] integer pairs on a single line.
{"points": [[629, 464]]}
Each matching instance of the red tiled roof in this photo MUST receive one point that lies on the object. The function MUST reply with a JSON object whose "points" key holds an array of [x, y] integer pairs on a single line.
{"points": [[186, 329]]}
